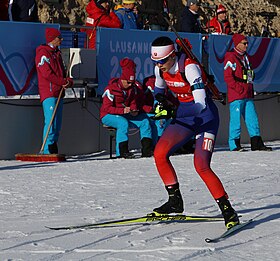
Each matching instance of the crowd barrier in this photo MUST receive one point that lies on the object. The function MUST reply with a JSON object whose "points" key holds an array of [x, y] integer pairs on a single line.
{"points": [[82, 131], [17, 53]]}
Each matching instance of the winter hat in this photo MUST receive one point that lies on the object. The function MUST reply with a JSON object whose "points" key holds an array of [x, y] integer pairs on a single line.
{"points": [[128, 1], [221, 9], [237, 38], [193, 2], [128, 70], [51, 34]]}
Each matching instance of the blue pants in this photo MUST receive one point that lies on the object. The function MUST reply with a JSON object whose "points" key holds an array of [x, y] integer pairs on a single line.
{"points": [[246, 109], [122, 123], [48, 108]]}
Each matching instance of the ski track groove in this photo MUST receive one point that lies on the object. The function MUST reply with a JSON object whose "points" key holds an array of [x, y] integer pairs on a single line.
{"points": [[58, 254], [69, 251], [35, 195], [103, 253]]}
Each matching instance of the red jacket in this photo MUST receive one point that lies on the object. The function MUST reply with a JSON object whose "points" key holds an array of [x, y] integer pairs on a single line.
{"points": [[145, 98], [99, 17], [237, 88], [219, 27], [115, 98], [50, 70]]}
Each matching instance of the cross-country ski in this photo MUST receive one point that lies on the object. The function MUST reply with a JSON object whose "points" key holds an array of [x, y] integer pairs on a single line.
{"points": [[145, 219], [229, 232]]}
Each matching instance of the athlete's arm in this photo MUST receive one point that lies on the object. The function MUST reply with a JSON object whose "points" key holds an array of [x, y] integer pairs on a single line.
{"points": [[193, 75], [160, 84]]}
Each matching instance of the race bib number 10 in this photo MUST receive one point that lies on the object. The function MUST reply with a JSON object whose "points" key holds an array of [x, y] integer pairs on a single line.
{"points": [[208, 141]]}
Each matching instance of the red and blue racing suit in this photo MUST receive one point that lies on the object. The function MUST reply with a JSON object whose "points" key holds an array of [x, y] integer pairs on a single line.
{"points": [[196, 116]]}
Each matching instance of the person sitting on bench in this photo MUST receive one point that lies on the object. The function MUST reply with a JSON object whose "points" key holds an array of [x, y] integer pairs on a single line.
{"points": [[119, 110]]}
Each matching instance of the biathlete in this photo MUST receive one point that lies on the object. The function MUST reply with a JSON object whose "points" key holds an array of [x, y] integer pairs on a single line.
{"points": [[196, 116]]}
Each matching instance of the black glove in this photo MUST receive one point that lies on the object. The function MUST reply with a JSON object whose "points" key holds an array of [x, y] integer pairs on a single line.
{"points": [[164, 109]]}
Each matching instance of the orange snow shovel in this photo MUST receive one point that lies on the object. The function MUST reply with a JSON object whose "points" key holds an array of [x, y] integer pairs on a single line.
{"points": [[40, 157]]}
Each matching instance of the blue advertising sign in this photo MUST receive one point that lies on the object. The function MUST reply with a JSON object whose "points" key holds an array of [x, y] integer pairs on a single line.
{"points": [[263, 53], [18, 43], [116, 44]]}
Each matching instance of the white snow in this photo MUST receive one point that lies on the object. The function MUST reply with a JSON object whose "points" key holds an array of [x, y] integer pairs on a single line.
{"points": [[92, 188]]}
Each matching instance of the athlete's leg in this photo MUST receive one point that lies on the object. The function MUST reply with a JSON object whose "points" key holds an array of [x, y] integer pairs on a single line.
{"points": [[202, 157], [173, 138]]}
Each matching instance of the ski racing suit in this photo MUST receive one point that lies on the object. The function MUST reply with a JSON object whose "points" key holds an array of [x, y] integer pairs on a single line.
{"points": [[196, 116]]}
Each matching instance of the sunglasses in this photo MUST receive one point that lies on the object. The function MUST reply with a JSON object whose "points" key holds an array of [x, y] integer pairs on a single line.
{"points": [[162, 61], [244, 43]]}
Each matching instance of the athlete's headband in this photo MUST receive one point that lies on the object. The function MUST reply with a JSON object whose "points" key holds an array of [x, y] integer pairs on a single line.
{"points": [[161, 52]]}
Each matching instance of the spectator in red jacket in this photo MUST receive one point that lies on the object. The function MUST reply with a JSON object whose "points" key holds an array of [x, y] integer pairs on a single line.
{"points": [[239, 77], [99, 14], [220, 24], [51, 79], [120, 110]]}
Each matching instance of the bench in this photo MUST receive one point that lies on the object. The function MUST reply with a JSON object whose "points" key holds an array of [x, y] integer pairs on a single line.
{"points": [[112, 135]]}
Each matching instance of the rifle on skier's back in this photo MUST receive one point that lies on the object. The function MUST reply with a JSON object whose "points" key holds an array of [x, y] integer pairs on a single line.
{"points": [[210, 79]]}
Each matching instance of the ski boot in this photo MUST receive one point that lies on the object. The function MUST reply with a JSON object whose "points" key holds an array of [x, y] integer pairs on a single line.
{"points": [[230, 216], [174, 204]]}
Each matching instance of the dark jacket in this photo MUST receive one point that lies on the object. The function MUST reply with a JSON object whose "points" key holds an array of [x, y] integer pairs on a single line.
{"points": [[4, 10], [190, 22], [175, 8], [152, 10], [23, 10]]}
